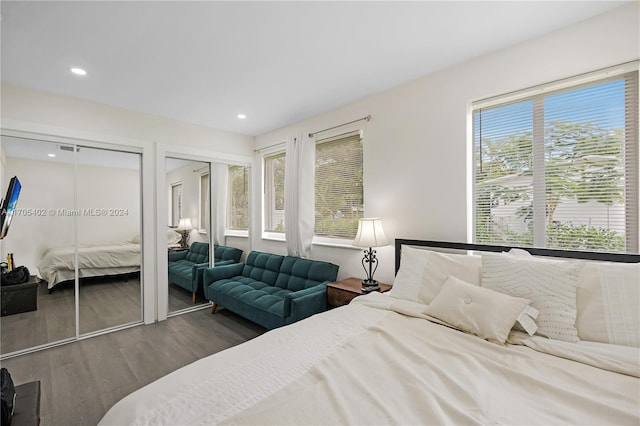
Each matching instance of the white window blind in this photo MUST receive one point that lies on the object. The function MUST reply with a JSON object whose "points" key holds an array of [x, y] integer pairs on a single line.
{"points": [[560, 169], [176, 203], [238, 215], [274, 167], [338, 186], [204, 202]]}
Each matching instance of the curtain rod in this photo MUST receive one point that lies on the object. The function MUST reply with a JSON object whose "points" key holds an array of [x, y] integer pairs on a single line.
{"points": [[367, 118], [269, 146]]}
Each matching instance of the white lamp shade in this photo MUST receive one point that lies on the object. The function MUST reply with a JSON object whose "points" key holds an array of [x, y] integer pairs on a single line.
{"points": [[370, 233], [184, 224]]}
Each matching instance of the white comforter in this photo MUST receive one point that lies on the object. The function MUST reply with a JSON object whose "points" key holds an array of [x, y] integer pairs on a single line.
{"points": [[58, 264], [380, 361]]}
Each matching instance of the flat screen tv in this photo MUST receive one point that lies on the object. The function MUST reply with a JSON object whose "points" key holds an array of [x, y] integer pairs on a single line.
{"points": [[9, 205]]}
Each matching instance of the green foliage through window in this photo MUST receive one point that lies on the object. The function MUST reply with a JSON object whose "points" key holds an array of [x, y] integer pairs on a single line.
{"points": [[560, 164]]}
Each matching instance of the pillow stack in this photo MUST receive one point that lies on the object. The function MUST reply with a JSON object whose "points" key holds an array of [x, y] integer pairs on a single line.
{"points": [[488, 295]]}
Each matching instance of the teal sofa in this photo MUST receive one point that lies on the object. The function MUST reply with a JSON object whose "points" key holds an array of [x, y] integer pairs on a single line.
{"points": [[269, 289], [186, 268]]}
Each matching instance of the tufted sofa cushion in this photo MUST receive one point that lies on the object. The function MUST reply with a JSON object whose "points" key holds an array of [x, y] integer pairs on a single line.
{"points": [[297, 274], [263, 267], [198, 253]]}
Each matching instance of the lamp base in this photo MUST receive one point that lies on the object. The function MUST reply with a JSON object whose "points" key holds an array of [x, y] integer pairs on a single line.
{"points": [[370, 285]]}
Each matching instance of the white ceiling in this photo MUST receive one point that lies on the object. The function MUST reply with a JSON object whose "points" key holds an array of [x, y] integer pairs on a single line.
{"points": [[204, 62]]}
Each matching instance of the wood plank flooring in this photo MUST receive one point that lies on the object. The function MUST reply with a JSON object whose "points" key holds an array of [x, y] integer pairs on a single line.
{"points": [[82, 380]]}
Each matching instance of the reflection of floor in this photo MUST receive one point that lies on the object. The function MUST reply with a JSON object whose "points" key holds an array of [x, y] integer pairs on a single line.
{"points": [[179, 298], [104, 302]]}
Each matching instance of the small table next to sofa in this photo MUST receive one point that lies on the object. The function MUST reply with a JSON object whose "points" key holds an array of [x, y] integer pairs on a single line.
{"points": [[270, 289]]}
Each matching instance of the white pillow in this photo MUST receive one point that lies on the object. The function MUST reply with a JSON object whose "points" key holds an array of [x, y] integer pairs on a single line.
{"points": [[608, 302], [550, 285], [135, 239], [173, 237], [423, 272], [477, 310]]}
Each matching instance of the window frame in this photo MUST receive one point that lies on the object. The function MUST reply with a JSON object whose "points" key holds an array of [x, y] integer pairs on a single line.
{"points": [[629, 72]]}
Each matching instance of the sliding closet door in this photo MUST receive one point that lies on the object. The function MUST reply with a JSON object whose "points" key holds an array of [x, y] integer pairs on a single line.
{"points": [[41, 237], [109, 238], [188, 230]]}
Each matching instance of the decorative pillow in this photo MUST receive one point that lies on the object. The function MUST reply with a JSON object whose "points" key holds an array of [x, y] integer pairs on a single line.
{"points": [[550, 285], [608, 302], [423, 272], [477, 310]]}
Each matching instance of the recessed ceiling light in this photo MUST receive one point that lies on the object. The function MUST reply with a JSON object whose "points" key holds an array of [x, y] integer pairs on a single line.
{"points": [[51, 155], [78, 71], [242, 116]]}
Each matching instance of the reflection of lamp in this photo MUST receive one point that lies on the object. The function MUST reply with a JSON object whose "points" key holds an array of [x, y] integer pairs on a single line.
{"points": [[370, 234], [184, 226]]}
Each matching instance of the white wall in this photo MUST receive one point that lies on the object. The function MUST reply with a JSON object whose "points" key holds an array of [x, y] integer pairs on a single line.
{"points": [[23, 104], [415, 155]]}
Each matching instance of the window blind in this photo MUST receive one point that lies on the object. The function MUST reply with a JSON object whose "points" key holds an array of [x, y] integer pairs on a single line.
{"points": [[338, 186], [560, 169], [274, 172], [204, 202], [238, 217]]}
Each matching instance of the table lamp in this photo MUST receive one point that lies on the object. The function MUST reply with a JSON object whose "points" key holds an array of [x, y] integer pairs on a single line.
{"points": [[370, 234], [184, 226]]}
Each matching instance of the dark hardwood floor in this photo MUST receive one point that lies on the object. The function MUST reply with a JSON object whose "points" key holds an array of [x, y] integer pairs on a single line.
{"points": [[82, 380]]}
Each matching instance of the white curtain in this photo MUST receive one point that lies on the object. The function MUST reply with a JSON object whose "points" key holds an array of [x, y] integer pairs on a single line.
{"points": [[219, 189], [299, 195]]}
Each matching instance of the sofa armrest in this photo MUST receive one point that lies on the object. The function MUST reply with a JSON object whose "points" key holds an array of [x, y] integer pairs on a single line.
{"points": [[306, 302], [197, 274], [222, 272], [178, 255]]}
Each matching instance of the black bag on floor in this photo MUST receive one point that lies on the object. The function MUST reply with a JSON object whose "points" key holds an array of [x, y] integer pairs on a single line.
{"points": [[17, 276], [8, 396]]}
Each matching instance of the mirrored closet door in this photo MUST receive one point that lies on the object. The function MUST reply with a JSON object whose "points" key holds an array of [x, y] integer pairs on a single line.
{"points": [[41, 237], [109, 242], [76, 228], [188, 230], [207, 207]]}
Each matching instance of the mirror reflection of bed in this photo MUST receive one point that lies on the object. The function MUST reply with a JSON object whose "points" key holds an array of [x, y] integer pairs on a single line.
{"points": [[74, 196]]}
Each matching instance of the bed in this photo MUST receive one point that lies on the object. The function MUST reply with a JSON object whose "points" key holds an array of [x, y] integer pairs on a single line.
{"points": [[94, 260], [444, 346]]}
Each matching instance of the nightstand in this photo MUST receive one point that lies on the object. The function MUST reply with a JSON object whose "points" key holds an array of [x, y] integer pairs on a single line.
{"points": [[342, 292], [177, 249]]}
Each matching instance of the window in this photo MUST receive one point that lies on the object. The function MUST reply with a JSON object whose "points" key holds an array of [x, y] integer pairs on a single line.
{"points": [[204, 202], [338, 186], [176, 203], [274, 192], [238, 215], [559, 169]]}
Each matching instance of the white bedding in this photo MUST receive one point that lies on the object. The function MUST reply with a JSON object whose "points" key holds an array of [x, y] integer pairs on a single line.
{"points": [[380, 360], [58, 264]]}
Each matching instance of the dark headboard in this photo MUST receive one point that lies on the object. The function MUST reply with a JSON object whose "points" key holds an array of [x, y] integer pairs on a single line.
{"points": [[609, 257]]}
